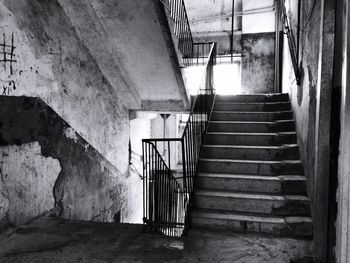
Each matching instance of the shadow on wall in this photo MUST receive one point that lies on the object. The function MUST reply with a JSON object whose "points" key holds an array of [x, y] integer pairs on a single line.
{"points": [[46, 166]]}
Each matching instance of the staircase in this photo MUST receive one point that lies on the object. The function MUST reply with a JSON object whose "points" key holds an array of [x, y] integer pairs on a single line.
{"points": [[250, 175]]}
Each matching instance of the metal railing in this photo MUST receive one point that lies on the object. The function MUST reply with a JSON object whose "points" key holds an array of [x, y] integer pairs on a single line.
{"points": [[168, 199], [163, 198], [181, 27], [200, 53], [293, 48]]}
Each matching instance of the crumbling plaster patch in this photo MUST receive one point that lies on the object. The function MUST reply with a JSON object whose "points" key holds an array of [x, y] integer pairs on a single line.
{"points": [[53, 64], [27, 181]]}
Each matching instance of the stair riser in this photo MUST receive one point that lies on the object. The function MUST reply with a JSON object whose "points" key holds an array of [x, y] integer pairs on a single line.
{"points": [[252, 127], [289, 153], [260, 116], [271, 207], [250, 168], [257, 140], [283, 229], [253, 186], [253, 98], [252, 107]]}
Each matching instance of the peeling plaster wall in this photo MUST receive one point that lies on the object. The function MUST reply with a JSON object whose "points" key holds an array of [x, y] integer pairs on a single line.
{"points": [[258, 63], [303, 97], [311, 102], [53, 64], [27, 182], [41, 146]]}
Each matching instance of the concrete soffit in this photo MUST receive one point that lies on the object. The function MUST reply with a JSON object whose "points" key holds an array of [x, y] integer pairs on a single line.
{"points": [[167, 26], [89, 29]]}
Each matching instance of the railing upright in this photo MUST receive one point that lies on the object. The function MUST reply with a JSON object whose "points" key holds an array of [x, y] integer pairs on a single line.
{"points": [[293, 49]]}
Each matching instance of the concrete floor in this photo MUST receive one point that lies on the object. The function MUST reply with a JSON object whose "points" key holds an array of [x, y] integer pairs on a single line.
{"points": [[55, 240]]}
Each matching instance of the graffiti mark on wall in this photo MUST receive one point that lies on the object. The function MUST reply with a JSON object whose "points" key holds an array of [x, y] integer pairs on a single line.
{"points": [[8, 87], [7, 55], [7, 62]]}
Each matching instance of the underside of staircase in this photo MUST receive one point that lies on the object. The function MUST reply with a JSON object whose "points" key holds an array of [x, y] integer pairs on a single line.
{"points": [[250, 176]]}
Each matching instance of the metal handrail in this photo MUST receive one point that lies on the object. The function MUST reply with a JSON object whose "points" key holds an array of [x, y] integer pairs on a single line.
{"points": [[287, 29], [162, 195], [189, 143], [192, 53], [181, 27]]}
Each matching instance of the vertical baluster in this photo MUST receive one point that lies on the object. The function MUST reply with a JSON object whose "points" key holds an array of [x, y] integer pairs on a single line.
{"points": [[190, 137], [172, 221], [181, 27], [177, 18], [161, 181], [144, 182], [197, 47], [167, 178], [171, 206], [203, 56], [160, 193], [154, 187], [169, 210], [183, 161], [150, 185], [166, 202], [169, 161], [171, 7]]}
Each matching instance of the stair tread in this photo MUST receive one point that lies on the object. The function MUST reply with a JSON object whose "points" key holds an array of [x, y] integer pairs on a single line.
{"points": [[259, 196], [268, 147], [250, 122], [251, 103], [252, 133], [248, 161], [252, 217], [255, 177], [267, 95], [250, 112]]}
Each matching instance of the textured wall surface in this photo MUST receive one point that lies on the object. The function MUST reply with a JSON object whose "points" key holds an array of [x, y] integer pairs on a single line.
{"points": [[47, 166], [27, 182], [311, 103], [303, 97], [53, 64], [258, 64]]}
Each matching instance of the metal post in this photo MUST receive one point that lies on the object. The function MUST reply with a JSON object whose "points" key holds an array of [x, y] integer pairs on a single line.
{"points": [[232, 28]]}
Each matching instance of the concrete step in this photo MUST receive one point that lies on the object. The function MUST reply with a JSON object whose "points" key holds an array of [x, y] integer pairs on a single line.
{"points": [[253, 98], [256, 167], [282, 205], [279, 184], [251, 116], [300, 226], [249, 127], [258, 139], [277, 153], [252, 106]]}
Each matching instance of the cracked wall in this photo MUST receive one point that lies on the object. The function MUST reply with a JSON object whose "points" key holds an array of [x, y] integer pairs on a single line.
{"points": [[53, 64], [38, 145], [311, 102], [27, 181]]}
